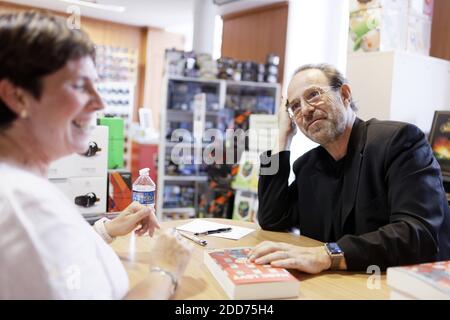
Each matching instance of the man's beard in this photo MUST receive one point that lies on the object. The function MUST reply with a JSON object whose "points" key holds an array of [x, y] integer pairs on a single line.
{"points": [[330, 129]]}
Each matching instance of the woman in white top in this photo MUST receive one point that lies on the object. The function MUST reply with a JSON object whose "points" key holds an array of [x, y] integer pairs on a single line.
{"points": [[47, 101]]}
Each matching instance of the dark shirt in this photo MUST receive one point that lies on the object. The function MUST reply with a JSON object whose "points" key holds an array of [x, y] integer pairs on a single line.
{"points": [[330, 193]]}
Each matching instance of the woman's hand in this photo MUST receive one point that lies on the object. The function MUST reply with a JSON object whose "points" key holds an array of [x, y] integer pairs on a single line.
{"points": [[284, 255], [170, 252], [133, 216]]}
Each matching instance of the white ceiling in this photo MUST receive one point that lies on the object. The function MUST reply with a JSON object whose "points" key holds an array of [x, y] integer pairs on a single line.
{"points": [[157, 13], [165, 14]]}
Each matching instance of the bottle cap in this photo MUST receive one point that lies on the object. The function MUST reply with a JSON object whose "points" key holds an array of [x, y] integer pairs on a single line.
{"points": [[144, 172]]}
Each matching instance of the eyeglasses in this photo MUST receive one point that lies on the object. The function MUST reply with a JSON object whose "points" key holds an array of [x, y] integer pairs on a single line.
{"points": [[312, 96]]}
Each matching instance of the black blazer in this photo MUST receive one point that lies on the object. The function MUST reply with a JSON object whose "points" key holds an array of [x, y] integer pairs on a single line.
{"points": [[394, 208]]}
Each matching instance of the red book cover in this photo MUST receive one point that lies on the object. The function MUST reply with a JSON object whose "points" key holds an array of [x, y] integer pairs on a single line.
{"points": [[242, 279], [422, 281], [234, 263]]}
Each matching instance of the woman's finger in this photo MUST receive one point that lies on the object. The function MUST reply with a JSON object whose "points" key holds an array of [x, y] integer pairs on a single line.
{"points": [[142, 214], [153, 220], [134, 207]]}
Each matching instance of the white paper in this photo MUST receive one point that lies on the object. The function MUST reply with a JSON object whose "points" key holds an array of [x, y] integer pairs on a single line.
{"points": [[199, 225]]}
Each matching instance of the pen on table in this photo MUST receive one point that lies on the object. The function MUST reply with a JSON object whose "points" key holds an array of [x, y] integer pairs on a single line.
{"points": [[212, 231], [195, 239]]}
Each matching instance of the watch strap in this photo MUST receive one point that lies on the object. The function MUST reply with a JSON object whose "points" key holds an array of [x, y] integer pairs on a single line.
{"points": [[173, 279], [336, 257], [99, 226]]}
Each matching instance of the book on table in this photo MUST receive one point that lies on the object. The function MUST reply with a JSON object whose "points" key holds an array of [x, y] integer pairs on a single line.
{"points": [[421, 281], [241, 279]]}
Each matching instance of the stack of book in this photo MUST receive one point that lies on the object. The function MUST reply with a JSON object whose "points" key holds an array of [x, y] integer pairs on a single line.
{"points": [[428, 281]]}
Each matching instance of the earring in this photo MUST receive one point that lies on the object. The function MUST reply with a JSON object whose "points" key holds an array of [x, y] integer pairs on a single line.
{"points": [[24, 113]]}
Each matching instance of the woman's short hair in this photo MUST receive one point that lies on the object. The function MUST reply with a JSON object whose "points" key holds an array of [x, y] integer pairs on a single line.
{"points": [[35, 44]]}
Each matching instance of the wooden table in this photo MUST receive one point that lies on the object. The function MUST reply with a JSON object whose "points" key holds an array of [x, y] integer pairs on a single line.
{"points": [[198, 283]]}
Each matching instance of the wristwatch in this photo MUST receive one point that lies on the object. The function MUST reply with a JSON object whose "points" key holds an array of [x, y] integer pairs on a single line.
{"points": [[100, 227], [336, 254], [172, 277]]}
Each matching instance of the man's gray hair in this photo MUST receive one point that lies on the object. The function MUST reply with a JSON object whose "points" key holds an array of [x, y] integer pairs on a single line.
{"points": [[335, 78]]}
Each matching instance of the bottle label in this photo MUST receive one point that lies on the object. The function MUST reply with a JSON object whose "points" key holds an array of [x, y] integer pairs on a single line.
{"points": [[144, 197]]}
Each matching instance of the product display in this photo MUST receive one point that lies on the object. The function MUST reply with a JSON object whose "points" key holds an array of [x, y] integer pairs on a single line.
{"points": [[440, 140], [272, 64], [178, 196], [377, 25], [87, 200], [83, 177], [195, 65], [182, 95], [116, 63], [116, 141], [119, 190], [194, 106], [207, 66], [248, 172], [245, 206], [227, 69], [263, 132], [241, 279], [117, 69]]}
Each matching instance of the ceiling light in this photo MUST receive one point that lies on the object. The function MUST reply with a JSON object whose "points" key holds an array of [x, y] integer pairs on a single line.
{"points": [[95, 5]]}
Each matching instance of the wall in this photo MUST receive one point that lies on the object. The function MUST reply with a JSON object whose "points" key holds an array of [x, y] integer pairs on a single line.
{"points": [[157, 42], [317, 32], [440, 31], [399, 86], [255, 33]]}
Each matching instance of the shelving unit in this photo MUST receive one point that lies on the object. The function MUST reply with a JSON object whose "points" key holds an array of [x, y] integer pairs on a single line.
{"points": [[180, 187]]}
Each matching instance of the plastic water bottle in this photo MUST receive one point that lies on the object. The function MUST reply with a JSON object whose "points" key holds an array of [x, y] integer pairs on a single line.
{"points": [[144, 189]]}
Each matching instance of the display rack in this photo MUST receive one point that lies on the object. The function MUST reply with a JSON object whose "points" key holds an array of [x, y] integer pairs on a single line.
{"points": [[179, 188], [117, 69]]}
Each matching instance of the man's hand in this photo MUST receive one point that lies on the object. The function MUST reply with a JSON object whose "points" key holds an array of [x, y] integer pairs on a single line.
{"points": [[286, 128], [133, 216], [310, 260]]}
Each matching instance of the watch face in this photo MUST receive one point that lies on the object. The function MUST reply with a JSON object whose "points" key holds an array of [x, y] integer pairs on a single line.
{"points": [[334, 248]]}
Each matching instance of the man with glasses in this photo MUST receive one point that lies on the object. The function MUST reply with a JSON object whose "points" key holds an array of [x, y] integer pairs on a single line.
{"points": [[372, 191]]}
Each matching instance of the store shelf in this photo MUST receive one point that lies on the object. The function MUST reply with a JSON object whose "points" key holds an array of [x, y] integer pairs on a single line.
{"points": [[189, 210], [170, 144], [201, 80], [186, 178], [216, 111], [251, 84], [228, 82]]}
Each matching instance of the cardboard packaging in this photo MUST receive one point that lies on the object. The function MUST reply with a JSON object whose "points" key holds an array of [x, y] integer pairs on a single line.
{"points": [[385, 25]]}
